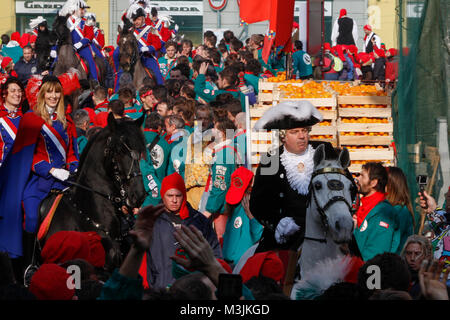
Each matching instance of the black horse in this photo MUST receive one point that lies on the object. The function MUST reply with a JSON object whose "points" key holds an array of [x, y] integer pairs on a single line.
{"points": [[109, 181]]}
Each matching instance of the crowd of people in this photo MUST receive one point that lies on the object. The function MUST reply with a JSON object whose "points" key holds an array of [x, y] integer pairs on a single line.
{"points": [[205, 212]]}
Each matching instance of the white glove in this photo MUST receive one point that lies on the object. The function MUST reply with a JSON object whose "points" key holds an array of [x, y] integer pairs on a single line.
{"points": [[285, 228], [176, 28], [78, 45], [60, 174], [144, 49], [53, 54]]}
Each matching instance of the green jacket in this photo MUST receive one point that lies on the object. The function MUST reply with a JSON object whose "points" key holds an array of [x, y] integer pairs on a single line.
{"points": [[405, 225], [224, 163], [154, 168], [210, 95], [178, 151], [252, 80], [240, 234], [165, 65], [378, 232], [82, 142]]}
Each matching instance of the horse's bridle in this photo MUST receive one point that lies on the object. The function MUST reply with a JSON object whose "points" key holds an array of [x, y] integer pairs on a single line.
{"points": [[322, 209], [119, 179]]}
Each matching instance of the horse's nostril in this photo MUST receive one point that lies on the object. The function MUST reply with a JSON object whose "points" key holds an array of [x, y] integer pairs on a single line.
{"points": [[338, 226]]}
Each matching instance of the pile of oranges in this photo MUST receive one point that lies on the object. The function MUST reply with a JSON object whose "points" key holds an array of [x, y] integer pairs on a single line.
{"points": [[373, 134], [364, 120], [363, 106], [348, 89], [325, 123], [318, 137], [309, 89]]}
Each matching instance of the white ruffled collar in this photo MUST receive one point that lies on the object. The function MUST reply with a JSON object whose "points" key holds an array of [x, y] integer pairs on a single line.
{"points": [[299, 180]]}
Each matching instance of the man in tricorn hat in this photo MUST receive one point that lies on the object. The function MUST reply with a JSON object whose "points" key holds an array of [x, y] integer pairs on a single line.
{"points": [[280, 191]]}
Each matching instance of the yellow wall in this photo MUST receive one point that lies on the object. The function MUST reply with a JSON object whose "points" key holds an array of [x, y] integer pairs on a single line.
{"points": [[382, 18], [7, 17], [101, 10]]}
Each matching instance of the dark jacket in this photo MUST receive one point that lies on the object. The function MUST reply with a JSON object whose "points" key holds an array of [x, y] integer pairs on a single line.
{"points": [[272, 199], [25, 69], [164, 244], [345, 31]]}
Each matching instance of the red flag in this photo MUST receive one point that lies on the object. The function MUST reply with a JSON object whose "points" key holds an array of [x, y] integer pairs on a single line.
{"points": [[251, 11], [280, 28]]}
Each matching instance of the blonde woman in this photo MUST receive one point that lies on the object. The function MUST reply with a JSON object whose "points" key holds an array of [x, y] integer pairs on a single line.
{"points": [[44, 154]]}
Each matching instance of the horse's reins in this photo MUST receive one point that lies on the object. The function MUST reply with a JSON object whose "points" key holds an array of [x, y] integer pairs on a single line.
{"points": [[333, 200]]}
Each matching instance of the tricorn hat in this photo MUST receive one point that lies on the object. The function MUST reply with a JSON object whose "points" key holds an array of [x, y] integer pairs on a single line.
{"points": [[289, 115]]}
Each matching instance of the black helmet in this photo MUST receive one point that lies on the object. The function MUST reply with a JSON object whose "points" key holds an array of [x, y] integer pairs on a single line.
{"points": [[138, 13]]}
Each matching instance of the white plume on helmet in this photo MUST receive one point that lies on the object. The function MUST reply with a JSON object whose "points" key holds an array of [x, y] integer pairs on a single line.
{"points": [[132, 10], [71, 6], [35, 22]]}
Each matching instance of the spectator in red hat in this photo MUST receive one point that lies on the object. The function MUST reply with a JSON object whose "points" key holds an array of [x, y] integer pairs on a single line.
{"points": [[50, 281], [370, 39], [7, 64], [328, 67], [177, 212], [242, 229], [391, 65], [345, 30], [366, 60], [379, 67]]}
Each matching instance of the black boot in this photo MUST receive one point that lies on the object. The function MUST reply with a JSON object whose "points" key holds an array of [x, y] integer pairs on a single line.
{"points": [[29, 249]]}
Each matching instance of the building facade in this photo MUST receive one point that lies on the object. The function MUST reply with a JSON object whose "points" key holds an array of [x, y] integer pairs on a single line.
{"points": [[195, 16]]}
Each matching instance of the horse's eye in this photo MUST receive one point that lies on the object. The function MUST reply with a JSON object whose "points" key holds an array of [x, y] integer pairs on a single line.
{"points": [[135, 155], [318, 185]]}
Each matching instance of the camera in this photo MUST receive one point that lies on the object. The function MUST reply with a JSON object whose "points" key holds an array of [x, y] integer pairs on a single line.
{"points": [[230, 287], [422, 180]]}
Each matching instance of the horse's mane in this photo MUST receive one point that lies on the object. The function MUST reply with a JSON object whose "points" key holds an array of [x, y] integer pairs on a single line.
{"points": [[124, 127]]}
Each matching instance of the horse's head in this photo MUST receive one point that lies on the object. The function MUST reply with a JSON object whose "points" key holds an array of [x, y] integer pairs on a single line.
{"points": [[61, 31], [332, 190], [128, 48], [125, 147]]}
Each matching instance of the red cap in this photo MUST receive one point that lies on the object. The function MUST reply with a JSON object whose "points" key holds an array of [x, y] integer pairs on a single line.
{"points": [[326, 46], [342, 13], [368, 27], [353, 49], [175, 181], [240, 180], [33, 38], [15, 36], [96, 250], [295, 25], [380, 53], [5, 62], [24, 40], [64, 246], [393, 51], [267, 264], [49, 282]]}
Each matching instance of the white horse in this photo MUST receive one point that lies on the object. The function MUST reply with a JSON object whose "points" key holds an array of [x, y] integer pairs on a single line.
{"points": [[329, 222]]}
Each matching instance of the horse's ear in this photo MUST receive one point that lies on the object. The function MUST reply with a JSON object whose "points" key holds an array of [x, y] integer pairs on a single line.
{"points": [[319, 155], [112, 124], [140, 121], [344, 158]]}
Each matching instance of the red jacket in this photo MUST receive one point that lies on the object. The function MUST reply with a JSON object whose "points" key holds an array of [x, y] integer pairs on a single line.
{"points": [[391, 70]]}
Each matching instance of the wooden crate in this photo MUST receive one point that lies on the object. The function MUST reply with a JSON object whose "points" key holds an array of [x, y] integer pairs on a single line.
{"points": [[365, 127], [356, 168], [386, 100]]}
